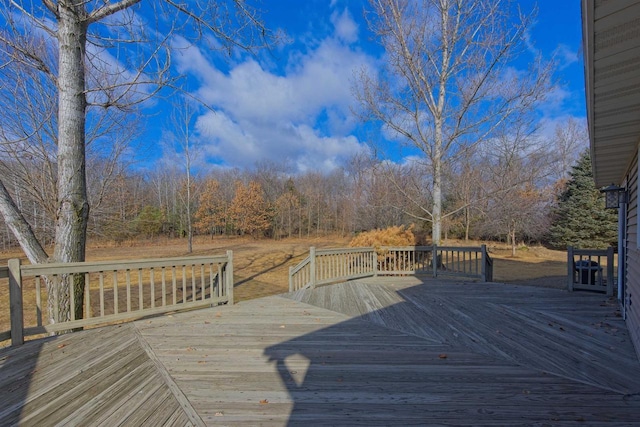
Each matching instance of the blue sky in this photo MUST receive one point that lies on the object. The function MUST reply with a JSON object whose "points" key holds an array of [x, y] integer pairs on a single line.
{"points": [[293, 104]]}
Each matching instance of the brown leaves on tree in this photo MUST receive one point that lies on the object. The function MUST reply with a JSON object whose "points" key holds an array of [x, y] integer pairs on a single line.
{"points": [[249, 211], [212, 214]]}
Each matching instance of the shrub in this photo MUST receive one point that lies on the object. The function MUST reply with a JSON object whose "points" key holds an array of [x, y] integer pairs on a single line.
{"points": [[392, 236]]}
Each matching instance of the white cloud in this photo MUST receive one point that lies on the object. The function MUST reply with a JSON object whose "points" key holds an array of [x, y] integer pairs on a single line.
{"points": [[566, 56], [245, 144], [346, 27], [547, 126], [556, 101], [301, 113]]}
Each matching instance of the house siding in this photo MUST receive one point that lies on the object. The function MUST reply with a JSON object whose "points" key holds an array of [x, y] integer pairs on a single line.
{"points": [[632, 273]]}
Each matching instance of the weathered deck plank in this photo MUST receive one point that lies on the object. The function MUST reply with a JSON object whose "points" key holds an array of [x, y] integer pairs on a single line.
{"points": [[372, 352], [570, 334], [95, 377], [276, 363]]}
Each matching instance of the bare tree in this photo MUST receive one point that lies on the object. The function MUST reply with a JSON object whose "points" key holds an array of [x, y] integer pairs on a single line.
{"points": [[108, 54], [181, 144], [28, 158], [447, 81], [517, 201], [466, 190], [569, 140], [286, 206]]}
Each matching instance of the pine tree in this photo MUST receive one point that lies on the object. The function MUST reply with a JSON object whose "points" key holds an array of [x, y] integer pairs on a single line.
{"points": [[149, 221], [580, 218]]}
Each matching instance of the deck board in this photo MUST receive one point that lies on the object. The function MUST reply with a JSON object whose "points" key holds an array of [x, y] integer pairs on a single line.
{"points": [[100, 376], [372, 352], [570, 334]]}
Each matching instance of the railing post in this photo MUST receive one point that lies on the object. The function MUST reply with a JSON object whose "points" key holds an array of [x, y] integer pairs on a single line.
{"points": [[312, 266], [434, 261], [15, 302], [229, 277], [483, 265], [610, 271], [291, 279], [570, 268], [374, 262]]}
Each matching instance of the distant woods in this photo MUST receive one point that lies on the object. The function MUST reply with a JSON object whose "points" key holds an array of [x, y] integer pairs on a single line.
{"points": [[498, 191]]}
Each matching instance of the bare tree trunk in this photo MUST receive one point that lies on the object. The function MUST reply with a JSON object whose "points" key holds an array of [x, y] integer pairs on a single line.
{"points": [[73, 207], [436, 211], [436, 225], [20, 228], [189, 211], [300, 221], [467, 223]]}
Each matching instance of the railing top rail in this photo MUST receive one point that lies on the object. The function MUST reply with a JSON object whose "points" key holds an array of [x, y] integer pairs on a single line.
{"points": [[460, 248], [339, 251], [407, 248], [301, 265], [98, 266], [594, 252], [429, 248]]}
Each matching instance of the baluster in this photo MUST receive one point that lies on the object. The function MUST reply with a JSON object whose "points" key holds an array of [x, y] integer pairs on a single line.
{"points": [[174, 284], [152, 282], [164, 287], [87, 296], [101, 282], [38, 302]]}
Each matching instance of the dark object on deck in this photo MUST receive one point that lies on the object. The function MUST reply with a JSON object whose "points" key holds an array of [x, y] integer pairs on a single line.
{"points": [[439, 264], [588, 271]]}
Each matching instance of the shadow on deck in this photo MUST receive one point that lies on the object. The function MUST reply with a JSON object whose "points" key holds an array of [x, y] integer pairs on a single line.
{"points": [[371, 352]]}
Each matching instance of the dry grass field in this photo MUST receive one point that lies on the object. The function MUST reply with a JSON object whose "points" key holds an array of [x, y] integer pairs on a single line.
{"points": [[536, 266]]}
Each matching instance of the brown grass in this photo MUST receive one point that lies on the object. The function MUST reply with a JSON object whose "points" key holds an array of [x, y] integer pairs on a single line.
{"points": [[536, 266]]}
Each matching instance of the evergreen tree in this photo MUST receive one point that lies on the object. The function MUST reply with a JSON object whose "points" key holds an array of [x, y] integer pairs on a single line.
{"points": [[580, 218], [149, 221]]}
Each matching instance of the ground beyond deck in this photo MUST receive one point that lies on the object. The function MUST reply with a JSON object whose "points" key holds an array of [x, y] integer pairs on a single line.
{"points": [[372, 352]]}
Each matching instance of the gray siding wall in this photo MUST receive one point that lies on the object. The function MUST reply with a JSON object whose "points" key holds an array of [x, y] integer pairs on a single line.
{"points": [[632, 290]]}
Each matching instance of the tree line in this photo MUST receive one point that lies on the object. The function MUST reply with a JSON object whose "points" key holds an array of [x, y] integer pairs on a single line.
{"points": [[505, 189]]}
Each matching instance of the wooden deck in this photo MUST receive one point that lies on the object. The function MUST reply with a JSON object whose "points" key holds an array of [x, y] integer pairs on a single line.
{"points": [[372, 352]]}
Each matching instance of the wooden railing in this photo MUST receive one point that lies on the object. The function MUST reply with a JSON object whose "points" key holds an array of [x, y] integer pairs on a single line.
{"points": [[327, 266], [114, 290], [473, 262], [586, 268]]}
